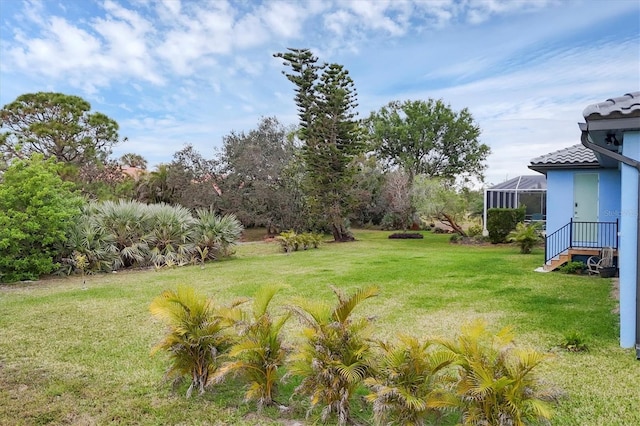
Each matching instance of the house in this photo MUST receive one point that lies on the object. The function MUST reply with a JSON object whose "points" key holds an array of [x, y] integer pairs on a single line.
{"points": [[522, 191], [593, 199]]}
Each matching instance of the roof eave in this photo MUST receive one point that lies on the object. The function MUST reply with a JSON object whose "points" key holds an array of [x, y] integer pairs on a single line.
{"points": [[544, 168]]}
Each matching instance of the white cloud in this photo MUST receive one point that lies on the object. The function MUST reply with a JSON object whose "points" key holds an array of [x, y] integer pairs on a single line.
{"points": [[284, 19]]}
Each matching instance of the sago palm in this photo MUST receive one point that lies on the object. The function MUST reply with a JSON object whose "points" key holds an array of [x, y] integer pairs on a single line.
{"points": [[197, 334], [335, 355], [259, 353], [407, 383], [496, 383]]}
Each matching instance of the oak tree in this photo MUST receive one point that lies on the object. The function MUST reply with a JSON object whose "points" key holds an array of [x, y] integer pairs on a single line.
{"points": [[430, 138]]}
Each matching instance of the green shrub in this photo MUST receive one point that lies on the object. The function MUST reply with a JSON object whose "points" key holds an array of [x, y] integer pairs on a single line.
{"points": [[496, 383], [259, 353], [574, 342], [198, 334], [334, 357], [170, 237], [502, 221], [215, 235], [474, 231], [526, 236], [572, 268], [292, 241], [37, 212], [408, 382], [454, 238]]}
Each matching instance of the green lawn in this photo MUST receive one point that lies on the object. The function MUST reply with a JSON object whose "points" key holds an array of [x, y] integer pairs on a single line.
{"points": [[79, 354]]}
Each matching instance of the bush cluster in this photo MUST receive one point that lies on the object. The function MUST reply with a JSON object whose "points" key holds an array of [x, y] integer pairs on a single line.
{"points": [[36, 208], [478, 377], [292, 241], [110, 235], [500, 222]]}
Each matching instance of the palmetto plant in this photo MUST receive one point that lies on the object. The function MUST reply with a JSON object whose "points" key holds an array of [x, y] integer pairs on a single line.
{"points": [[215, 235], [407, 384], [259, 353], [127, 222], [496, 384], [95, 243], [170, 235], [335, 356], [198, 334]]}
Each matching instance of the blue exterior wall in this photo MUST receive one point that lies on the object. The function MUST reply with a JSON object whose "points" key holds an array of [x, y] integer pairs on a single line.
{"points": [[628, 241], [559, 204], [560, 197]]}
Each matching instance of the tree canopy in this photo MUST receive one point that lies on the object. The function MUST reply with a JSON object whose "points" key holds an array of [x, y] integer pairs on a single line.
{"points": [[326, 100], [435, 199], [428, 137], [56, 125], [259, 176]]}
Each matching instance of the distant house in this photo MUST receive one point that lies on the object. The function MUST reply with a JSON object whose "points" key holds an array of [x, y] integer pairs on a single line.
{"points": [[133, 172], [593, 199], [523, 191]]}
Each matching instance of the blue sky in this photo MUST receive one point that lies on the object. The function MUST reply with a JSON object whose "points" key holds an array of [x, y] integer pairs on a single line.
{"points": [[190, 72]]}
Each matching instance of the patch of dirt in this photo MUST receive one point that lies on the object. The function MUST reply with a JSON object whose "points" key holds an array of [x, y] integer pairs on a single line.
{"points": [[615, 294]]}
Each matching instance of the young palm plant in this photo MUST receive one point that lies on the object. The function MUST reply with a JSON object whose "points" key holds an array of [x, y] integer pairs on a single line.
{"points": [[198, 334], [496, 384], [259, 353], [407, 385], [335, 355], [526, 236]]}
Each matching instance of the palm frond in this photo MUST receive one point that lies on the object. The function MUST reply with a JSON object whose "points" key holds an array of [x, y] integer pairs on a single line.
{"points": [[347, 304]]}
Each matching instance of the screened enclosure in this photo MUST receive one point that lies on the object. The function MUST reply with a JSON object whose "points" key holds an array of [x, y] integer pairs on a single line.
{"points": [[523, 191]]}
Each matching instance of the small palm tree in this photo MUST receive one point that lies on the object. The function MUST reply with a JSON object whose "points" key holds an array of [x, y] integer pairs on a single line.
{"points": [[527, 236], [259, 353], [496, 384], [335, 356], [406, 386], [197, 336]]}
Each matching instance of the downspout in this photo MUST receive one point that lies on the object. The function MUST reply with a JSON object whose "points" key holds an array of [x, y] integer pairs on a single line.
{"points": [[584, 138]]}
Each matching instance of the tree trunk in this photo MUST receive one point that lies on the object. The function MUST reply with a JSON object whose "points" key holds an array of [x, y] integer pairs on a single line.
{"points": [[449, 220], [340, 232]]}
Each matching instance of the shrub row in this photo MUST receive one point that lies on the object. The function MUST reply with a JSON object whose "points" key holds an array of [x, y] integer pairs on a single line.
{"points": [[476, 378], [113, 235], [292, 241]]}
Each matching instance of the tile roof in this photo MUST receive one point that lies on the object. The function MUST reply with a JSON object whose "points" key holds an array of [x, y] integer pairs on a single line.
{"points": [[576, 155], [623, 106]]}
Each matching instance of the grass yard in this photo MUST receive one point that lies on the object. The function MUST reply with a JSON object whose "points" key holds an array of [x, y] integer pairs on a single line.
{"points": [[79, 354]]}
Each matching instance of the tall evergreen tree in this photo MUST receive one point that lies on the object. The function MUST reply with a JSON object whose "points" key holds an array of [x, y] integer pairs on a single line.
{"points": [[326, 100]]}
